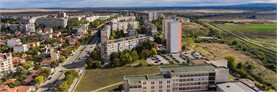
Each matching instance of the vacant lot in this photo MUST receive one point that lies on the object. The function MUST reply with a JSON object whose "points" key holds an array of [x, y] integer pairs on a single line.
{"points": [[97, 78], [221, 50]]}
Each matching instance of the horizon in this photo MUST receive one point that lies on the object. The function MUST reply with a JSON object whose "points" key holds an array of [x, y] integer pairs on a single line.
{"points": [[14, 4]]}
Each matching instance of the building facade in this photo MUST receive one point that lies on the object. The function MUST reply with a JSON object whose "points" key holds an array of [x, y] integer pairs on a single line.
{"points": [[152, 15], [178, 78], [105, 33], [122, 44], [173, 35], [6, 64], [52, 22]]}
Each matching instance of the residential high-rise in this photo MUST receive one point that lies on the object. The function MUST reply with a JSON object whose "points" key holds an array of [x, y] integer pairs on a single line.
{"points": [[152, 15], [6, 64], [173, 35], [62, 14]]}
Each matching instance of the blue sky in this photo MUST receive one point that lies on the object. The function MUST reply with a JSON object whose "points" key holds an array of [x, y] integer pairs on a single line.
{"points": [[119, 3]]}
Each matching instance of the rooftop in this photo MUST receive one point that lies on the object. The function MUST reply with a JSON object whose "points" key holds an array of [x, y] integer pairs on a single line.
{"points": [[187, 68], [238, 86], [138, 78]]}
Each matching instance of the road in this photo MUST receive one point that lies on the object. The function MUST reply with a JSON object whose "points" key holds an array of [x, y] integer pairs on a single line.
{"points": [[81, 52]]}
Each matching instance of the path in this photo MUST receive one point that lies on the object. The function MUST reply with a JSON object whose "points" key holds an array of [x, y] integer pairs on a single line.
{"points": [[107, 86]]}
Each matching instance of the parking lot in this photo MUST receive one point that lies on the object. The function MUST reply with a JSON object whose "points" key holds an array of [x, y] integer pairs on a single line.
{"points": [[157, 60]]}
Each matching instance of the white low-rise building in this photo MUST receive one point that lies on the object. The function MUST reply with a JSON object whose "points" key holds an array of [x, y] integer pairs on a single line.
{"points": [[13, 41], [20, 48]]}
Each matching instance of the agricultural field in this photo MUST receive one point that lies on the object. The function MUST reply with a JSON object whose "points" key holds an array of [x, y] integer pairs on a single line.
{"points": [[94, 79], [262, 34], [259, 72]]}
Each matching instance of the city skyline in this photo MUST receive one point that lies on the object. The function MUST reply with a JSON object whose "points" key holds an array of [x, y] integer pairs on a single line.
{"points": [[120, 3]]}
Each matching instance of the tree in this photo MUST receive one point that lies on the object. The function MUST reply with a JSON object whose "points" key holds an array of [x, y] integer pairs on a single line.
{"points": [[153, 52], [134, 55], [28, 65], [64, 86], [239, 66], [62, 58], [39, 79], [145, 53], [96, 64], [45, 72], [116, 62], [232, 64], [189, 42]]}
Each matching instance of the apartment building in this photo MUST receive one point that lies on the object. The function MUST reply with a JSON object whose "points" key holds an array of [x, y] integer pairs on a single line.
{"points": [[6, 64], [52, 22], [127, 43], [152, 15], [150, 28], [121, 23], [91, 18], [178, 78], [22, 27], [173, 35], [105, 33], [62, 14]]}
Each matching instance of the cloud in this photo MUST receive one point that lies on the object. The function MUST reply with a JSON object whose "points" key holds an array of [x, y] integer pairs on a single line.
{"points": [[119, 3]]}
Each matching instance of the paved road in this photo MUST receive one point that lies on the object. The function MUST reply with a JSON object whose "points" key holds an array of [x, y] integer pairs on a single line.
{"points": [[79, 53]]}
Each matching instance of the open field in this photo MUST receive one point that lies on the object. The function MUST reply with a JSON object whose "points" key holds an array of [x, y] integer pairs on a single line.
{"points": [[97, 78], [195, 28], [248, 27], [262, 34], [221, 50]]}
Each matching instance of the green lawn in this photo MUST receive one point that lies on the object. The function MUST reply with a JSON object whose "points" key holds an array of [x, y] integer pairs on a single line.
{"points": [[248, 27], [97, 78]]}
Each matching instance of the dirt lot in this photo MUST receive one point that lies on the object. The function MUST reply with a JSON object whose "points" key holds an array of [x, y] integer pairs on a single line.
{"points": [[222, 50]]}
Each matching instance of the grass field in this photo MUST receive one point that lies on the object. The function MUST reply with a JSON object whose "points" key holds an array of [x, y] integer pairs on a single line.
{"points": [[262, 34], [248, 27], [97, 78]]}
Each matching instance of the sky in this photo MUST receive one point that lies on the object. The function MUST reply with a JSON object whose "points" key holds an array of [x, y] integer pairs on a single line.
{"points": [[120, 3]]}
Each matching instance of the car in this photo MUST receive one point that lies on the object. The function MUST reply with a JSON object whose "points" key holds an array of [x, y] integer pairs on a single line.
{"points": [[49, 78]]}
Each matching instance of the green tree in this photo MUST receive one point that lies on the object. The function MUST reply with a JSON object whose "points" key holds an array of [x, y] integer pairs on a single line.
{"points": [[134, 55], [62, 58], [96, 64], [189, 42], [39, 80], [116, 62], [153, 52], [232, 64], [64, 86]]}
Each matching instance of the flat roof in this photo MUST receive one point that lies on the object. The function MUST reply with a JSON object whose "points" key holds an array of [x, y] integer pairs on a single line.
{"points": [[138, 78], [155, 76], [135, 78], [188, 68], [235, 86]]}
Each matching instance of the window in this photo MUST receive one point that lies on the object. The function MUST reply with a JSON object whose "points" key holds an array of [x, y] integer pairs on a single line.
{"points": [[160, 90], [152, 82], [144, 87], [160, 82], [152, 91], [168, 90], [144, 83], [168, 86], [168, 81], [160, 86], [152, 87]]}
